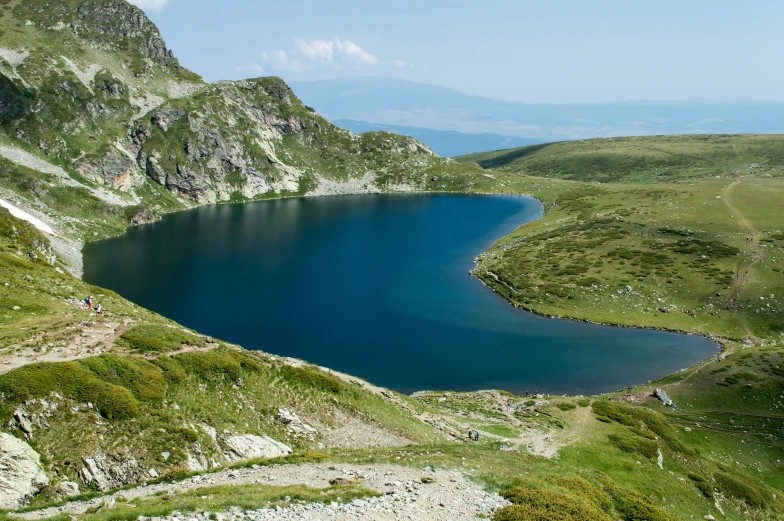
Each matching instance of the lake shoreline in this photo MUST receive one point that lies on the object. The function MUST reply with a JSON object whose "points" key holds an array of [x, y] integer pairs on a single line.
{"points": [[533, 213]]}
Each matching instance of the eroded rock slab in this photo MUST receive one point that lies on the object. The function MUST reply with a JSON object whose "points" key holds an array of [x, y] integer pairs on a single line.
{"points": [[21, 475], [250, 446]]}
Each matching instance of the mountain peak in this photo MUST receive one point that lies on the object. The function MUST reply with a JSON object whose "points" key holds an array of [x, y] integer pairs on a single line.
{"points": [[104, 24]]}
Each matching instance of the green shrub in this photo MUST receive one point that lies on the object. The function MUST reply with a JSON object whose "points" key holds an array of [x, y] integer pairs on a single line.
{"points": [[157, 339], [72, 380], [311, 378], [586, 490], [189, 435], [538, 505], [635, 507], [139, 376], [702, 484], [745, 488], [636, 417], [246, 360], [172, 372], [212, 365], [583, 402], [636, 444], [566, 406]]}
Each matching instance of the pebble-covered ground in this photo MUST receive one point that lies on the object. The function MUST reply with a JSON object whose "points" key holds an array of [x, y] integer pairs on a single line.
{"points": [[449, 497]]}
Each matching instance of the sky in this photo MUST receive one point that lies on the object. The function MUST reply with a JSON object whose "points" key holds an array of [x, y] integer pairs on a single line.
{"points": [[557, 51]]}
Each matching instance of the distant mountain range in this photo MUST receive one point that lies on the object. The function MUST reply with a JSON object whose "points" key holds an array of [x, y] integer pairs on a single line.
{"points": [[401, 103], [447, 143]]}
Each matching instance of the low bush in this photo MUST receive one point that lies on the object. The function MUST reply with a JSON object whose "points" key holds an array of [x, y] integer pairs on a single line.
{"points": [[636, 444], [139, 376], [583, 402], [702, 484], [536, 505], [157, 339], [72, 380], [311, 378], [566, 406], [635, 507], [213, 365], [636, 417], [586, 490], [745, 488], [172, 372]]}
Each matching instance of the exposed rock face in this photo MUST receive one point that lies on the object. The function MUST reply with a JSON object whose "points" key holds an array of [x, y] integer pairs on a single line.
{"points": [[296, 426], [143, 216], [249, 446], [68, 488], [109, 472], [135, 115], [106, 24], [115, 170], [254, 136], [12, 101], [21, 475]]}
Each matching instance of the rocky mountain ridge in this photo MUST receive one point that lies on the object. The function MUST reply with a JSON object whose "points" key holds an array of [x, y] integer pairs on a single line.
{"points": [[90, 85]]}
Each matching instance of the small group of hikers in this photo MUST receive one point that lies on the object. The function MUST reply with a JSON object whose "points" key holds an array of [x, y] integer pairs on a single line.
{"points": [[473, 435], [87, 303]]}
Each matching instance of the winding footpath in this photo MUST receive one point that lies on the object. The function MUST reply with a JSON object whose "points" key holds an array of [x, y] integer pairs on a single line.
{"points": [[745, 265]]}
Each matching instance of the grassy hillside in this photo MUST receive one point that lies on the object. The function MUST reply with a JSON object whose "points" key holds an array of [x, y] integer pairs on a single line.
{"points": [[641, 159], [700, 253]]}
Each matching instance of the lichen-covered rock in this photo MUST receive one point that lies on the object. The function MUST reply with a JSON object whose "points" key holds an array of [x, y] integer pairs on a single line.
{"points": [[21, 475]]}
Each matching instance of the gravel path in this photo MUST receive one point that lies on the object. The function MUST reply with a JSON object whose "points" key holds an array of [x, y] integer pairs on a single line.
{"points": [[450, 497]]}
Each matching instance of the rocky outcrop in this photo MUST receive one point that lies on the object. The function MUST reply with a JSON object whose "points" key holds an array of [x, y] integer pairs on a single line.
{"points": [[115, 169], [139, 116], [295, 426], [251, 137], [108, 472], [250, 446], [21, 475], [106, 24], [143, 216], [12, 101]]}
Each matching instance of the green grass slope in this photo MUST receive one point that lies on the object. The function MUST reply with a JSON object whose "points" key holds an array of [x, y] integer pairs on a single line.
{"points": [[641, 159], [698, 253]]}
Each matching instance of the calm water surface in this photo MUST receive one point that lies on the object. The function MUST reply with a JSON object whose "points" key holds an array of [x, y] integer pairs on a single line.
{"points": [[376, 286]]}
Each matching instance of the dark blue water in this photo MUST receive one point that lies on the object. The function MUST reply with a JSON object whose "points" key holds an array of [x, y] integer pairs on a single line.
{"points": [[376, 286]]}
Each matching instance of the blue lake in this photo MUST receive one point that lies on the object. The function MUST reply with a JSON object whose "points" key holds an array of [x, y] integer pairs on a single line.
{"points": [[376, 286]]}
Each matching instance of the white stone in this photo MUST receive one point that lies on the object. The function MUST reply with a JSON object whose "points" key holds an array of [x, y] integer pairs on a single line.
{"points": [[21, 475], [250, 446]]}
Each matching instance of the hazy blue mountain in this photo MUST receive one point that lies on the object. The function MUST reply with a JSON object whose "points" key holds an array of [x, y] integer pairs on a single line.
{"points": [[445, 143], [391, 101]]}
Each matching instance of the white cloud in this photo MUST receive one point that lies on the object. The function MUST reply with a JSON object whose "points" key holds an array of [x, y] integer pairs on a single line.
{"points": [[317, 53], [281, 61], [317, 50], [150, 5], [256, 70], [354, 52]]}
